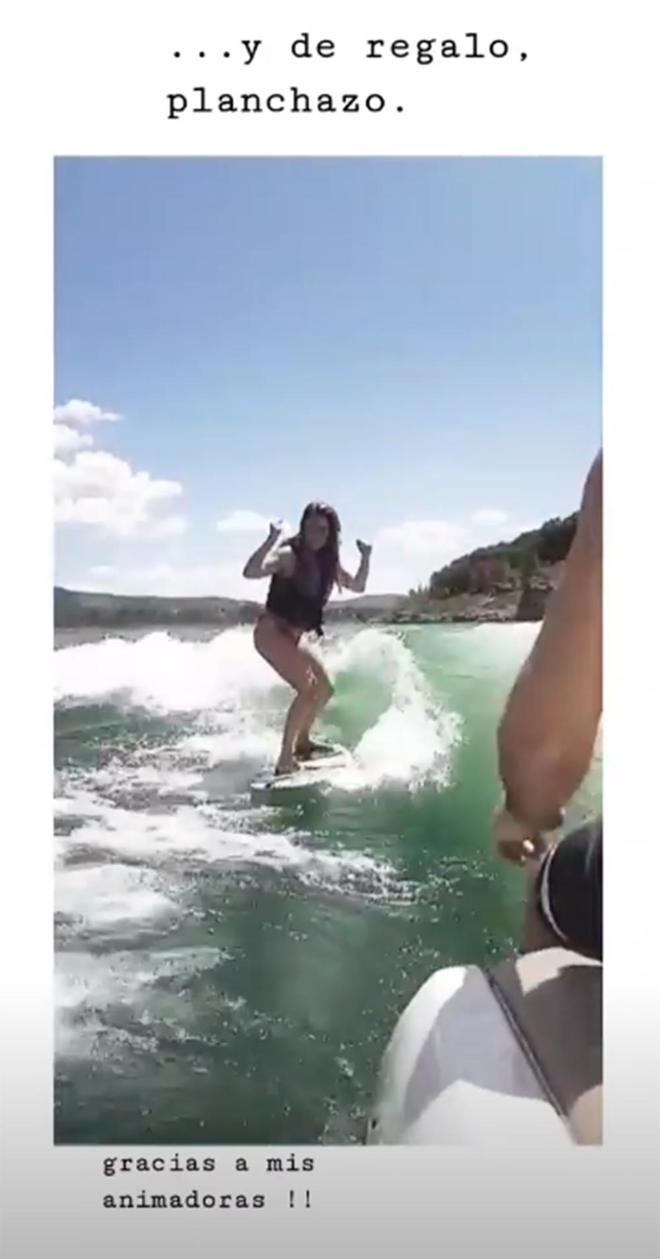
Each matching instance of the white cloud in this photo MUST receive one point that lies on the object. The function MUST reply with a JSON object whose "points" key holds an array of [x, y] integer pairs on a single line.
{"points": [[66, 439], [406, 554], [490, 516], [99, 489], [76, 411], [216, 580], [243, 522], [422, 538], [167, 527]]}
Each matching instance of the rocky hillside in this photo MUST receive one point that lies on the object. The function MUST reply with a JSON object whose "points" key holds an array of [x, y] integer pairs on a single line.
{"points": [[83, 609], [503, 582], [73, 608]]}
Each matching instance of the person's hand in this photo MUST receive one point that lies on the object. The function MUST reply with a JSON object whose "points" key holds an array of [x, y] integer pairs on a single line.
{"points": [[364, 549], [515, 841]]}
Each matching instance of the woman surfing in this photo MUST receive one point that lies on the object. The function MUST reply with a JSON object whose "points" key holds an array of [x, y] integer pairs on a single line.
{"points": [[304, 571]]}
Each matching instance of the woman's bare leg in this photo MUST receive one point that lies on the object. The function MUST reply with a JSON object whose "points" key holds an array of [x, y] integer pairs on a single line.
{"points": [[296, 718], [322, 695], [299, 668]]}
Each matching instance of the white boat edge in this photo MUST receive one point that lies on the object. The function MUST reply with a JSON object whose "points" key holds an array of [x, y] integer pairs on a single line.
{"points": [[510, 1058]]}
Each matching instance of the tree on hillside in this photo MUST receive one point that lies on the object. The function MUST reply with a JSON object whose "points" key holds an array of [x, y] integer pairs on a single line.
{"points": [[528, 568], [506, 563], [556, 538]]}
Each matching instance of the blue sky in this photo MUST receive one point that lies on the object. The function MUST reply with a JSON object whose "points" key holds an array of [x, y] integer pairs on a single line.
{"points": [[416, 341]]}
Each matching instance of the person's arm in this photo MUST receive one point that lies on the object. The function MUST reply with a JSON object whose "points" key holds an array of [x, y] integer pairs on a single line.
{"points": [[269, 558], [547, 734], [357, 584]]}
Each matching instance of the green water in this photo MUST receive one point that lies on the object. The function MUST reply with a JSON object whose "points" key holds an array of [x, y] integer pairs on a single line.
{"points": [[229, 972]]}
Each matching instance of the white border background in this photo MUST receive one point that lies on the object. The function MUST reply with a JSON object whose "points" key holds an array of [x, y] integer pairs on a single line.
{"points": [[81, 78]]}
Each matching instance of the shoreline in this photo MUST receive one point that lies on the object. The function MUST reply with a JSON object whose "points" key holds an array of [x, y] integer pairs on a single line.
{"points": [[77, 635]]}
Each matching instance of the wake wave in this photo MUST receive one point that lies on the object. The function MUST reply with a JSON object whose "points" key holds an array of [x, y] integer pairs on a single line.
{"points": [[146, 988], [411, 740], [162, 673], [144, 824], [207, 835], [237, 704]]}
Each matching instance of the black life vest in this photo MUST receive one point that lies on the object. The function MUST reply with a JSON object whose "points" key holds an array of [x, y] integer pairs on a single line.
{"points": [[299, 600]]}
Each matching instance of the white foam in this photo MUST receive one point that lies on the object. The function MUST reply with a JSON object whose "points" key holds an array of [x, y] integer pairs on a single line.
{"points": [[86, 986], [411, 742], [373, 650], [232, 745], [408, 744], [83, 978], [164, 673], [81, 804], [106, 895], [209, 835], [161, 776], [240, 703]]}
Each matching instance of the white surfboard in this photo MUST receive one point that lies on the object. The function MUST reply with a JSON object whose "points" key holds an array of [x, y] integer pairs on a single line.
{"points": [[315, 773]]}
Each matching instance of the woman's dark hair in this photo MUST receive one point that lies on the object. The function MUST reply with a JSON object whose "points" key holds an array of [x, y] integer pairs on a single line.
{"points": [[328, 556]]}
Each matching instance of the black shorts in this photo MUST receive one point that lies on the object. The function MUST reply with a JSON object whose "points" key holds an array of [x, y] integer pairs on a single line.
{"points": [[569, 890]]}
